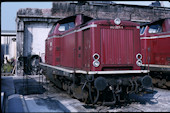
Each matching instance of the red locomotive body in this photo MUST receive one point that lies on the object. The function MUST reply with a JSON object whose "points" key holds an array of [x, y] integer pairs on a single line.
{"points": [[115, 46], [155, 44], [95, 55]]}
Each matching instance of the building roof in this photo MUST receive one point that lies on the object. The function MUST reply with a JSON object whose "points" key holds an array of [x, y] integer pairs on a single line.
{"points": [[159, 20], [8, 33]]}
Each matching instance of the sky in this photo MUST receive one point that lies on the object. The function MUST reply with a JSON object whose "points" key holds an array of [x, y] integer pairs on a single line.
{"points": [[9, 10]]}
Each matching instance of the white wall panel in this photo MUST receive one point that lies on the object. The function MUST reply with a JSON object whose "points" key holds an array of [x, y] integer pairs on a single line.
{"points": [[35, 36]]}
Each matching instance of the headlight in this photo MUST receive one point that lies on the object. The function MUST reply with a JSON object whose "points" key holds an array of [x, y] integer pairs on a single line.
{"points": [[96, 63], [139, 62], [117, 21]]}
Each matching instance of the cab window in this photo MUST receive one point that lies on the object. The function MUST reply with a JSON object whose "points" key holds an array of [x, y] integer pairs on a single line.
{"points": [[63, 27], [52, 30], [66, 26], [142, 30], [71, 25], [155, 28]]}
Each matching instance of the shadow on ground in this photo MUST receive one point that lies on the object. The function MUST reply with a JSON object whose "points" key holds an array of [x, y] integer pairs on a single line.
{"points": [[28, 86], [146, 97]]}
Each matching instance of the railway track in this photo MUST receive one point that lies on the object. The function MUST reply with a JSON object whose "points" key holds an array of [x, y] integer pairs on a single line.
{"points": [[151, 100], [144, 102], [161, 83]]}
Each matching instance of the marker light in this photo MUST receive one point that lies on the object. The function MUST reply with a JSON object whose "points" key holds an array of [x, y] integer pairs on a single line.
{"points": [[117, 21], [96, 56], [139, 56]]}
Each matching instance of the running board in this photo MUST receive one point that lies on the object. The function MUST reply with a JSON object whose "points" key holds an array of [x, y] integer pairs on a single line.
{"points": [[153, 67], [67, 71]]}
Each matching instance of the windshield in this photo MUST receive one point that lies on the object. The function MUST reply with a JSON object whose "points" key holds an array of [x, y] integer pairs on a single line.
{"points": [[155, 28], [142, 30]]}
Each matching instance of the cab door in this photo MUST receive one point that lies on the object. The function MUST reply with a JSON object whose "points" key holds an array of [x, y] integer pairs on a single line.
{"points": [[86, 49], [79, 50]]}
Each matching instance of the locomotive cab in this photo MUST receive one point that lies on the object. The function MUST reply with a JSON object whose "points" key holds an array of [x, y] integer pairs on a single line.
{"points": [[155, 44]]}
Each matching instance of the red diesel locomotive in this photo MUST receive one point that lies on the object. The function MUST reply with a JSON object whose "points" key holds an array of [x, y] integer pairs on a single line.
{"points": [[155, 44], [95, 60]]}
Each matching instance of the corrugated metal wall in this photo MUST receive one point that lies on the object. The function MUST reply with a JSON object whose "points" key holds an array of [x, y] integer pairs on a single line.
{"points": [[117, 46]]}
